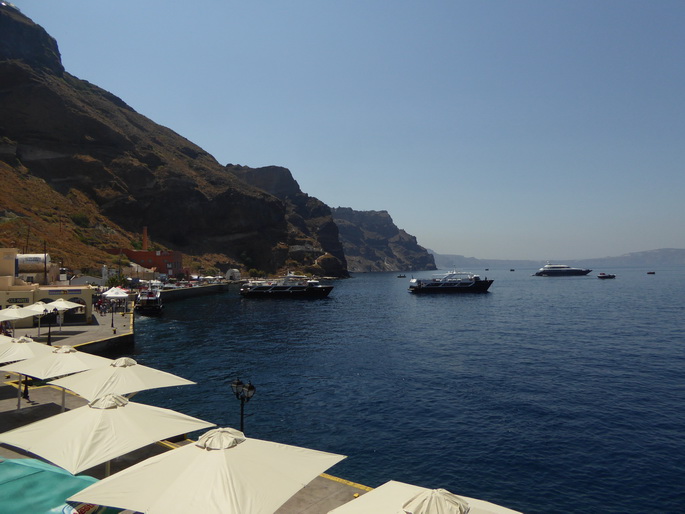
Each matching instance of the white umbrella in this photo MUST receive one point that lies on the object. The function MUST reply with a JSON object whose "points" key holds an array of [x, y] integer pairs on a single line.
{"points": [[62, 360], [40, 309], [122, 376], [400, 498], [23, 348], [107, 428], [14, 313], [64, 305], [115, 293], [223, 473]]}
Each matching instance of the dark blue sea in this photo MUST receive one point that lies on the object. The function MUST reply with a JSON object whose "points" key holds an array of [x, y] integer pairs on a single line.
{"points": [[545, 395]]}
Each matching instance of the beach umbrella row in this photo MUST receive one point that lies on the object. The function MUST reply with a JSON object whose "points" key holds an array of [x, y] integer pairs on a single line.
{"points": [[223, 472], [38, 309]]}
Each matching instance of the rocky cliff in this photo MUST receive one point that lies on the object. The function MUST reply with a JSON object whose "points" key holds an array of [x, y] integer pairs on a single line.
{"points": [[315, 243], [372, 242], [100, 162]]}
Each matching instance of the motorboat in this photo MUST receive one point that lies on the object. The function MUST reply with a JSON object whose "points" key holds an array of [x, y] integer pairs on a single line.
{"points": [[290, 286], [560, 270], [451, 282], [149, 302], [605, 276]]}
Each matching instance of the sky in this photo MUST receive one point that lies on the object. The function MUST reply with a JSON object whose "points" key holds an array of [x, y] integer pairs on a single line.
{"points": [[495, 129]]}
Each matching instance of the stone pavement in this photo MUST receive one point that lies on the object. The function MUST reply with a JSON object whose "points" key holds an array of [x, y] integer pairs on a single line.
{"points": [[320, 496]]}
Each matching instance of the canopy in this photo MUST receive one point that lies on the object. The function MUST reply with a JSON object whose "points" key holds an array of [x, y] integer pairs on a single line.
{"points": [[21, 349], [14, 313], [39, 309], [30, 485], [223, 473], [115, 293], [64, 305], [122, 376], [107, 428], [400, 498], [62, 360]]}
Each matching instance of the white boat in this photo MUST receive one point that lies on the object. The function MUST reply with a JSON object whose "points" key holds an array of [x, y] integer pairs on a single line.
{"points": [[290, 286], [451, 282], [560, 270], [149, 302]]}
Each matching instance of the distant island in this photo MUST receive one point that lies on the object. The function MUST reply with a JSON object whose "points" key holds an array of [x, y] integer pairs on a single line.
{"points": [[650, 258]]}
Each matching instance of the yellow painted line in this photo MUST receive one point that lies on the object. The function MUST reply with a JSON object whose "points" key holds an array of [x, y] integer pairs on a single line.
{"points": [[346, 482]]}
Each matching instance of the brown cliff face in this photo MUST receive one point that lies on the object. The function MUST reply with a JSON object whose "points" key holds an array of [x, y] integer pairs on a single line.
{"points": [[80, 139], [372, 242], [313, 237]]}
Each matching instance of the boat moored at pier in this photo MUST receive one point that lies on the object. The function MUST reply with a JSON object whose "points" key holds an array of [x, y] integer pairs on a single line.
{"points": [[451, 282], [149, 302], [560, 270], [290, 286]]}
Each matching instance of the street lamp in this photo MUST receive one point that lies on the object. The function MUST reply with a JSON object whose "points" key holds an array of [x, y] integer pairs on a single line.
{"points": [[242, 392], [45, 313]]}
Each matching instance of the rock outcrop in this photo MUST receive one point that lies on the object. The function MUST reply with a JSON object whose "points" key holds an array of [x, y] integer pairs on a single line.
{"points": [[372, 242], [315, 244]]}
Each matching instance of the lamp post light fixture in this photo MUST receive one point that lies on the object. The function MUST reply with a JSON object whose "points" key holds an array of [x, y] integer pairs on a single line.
{"points": [[45, 313], [243, 392]]}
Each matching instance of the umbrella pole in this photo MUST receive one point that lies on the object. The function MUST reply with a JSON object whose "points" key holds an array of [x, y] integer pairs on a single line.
{"points": [[108, 468], [19, 393], [64, 398]]}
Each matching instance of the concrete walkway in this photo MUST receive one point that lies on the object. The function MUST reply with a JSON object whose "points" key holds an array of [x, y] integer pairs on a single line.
{"points": [[323, 494]]}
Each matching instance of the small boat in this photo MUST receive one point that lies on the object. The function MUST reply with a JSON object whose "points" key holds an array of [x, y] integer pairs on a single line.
{"points": [[451, 282], [560, 270], [401, 276], [651, 272], [290, 286], [149, 302], [606, 275]]}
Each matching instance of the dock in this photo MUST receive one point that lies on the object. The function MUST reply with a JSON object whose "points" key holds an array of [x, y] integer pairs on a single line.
{"points": [[114, 333]]}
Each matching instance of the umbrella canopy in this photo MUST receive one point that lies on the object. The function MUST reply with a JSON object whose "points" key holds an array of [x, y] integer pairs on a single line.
{"points": [[21, 349], [62, 360], [107, 428], [223, 472], [400, 498], [64, 305], [122, 376], [14, 313], [30, 485], [39, 308], [115, 293]]}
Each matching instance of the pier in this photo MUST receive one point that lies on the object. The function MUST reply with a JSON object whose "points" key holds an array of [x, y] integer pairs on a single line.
{"points": [[110, 334]]}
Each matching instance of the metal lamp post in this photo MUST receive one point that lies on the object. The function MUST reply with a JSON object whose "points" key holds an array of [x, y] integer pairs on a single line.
{"points": [[45, 313], [242, 392]]}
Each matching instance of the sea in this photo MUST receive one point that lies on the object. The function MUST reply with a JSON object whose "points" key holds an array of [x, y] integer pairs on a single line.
{"points": [[545, 395]]}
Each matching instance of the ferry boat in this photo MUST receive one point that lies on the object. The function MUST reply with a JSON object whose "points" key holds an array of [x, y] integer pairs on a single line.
{"points": [[290, 286], [451, 282], [149, 302], [560, 270]]}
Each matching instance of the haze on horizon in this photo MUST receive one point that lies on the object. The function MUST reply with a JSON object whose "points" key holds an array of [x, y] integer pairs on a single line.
{"points": [[503, 130]]}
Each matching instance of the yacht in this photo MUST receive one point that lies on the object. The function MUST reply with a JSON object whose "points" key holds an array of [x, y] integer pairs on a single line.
{"points": [[560, 270], [451, 282], [290, 286]]}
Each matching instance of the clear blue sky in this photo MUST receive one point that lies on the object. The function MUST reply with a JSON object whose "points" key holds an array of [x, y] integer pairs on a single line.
{"points": [[493, 129]]}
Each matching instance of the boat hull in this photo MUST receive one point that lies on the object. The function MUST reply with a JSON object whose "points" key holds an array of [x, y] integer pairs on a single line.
{"points": [[320, 291], [563, 273], [477, 287]]}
